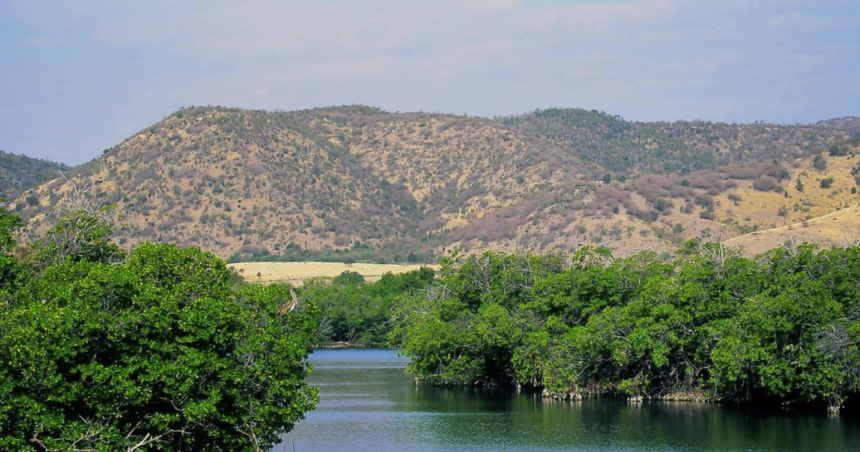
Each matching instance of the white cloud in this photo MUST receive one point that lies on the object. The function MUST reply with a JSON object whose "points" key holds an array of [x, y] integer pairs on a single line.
{"points": [[733, 60]]}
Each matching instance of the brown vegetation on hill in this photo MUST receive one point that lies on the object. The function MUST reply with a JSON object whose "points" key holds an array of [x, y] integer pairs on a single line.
{"points": [[254, 184]]}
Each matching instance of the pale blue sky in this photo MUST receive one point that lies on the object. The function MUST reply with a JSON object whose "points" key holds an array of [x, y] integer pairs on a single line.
{"points": [[77, 77]]}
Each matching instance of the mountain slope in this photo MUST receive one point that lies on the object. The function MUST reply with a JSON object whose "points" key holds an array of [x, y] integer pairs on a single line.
{"points": [[257, 184], [630, 148], [231, 180], [19, 173]]}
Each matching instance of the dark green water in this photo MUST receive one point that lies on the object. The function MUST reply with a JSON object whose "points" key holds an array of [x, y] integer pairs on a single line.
{"points": [[368, 404]]}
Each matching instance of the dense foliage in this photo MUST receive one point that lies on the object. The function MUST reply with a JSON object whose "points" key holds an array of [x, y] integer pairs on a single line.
{"points": [[357, 312], [153, 351], [19, 173], [784, 326]]}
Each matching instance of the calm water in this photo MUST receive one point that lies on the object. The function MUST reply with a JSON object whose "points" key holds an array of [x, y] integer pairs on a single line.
{"points": [[368, 404]]}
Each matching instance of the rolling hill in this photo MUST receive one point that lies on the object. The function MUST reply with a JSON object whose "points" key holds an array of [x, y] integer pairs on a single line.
{"points": [[19, 173], [409, 186]]}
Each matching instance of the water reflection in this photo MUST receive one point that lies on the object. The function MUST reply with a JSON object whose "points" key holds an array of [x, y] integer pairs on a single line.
{"points": [[367, 403]]}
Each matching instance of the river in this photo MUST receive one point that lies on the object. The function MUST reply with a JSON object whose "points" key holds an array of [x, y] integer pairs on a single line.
{"points": [[367, 403]]}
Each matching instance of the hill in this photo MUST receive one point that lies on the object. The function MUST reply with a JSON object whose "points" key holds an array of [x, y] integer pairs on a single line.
{"points": [[19, 173], [357, 181]]}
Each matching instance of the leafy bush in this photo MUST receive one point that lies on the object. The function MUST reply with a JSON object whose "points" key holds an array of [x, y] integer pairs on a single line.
{"points": [[156, 352]]}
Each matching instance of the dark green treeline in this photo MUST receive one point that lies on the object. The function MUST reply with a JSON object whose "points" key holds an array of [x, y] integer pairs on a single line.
{"points": [[781, 327], [356, 312]]}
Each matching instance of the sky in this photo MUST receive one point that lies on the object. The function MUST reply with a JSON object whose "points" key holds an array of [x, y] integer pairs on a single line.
{"points": [[78, 77]]}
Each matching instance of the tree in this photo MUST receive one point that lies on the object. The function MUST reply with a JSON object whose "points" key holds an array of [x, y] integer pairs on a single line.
{"points": [[155, 353], [10, 270], [348, 278], [712, 324], [82, 232]]}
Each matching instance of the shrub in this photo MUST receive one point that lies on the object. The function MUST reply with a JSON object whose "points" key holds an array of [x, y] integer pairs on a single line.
{"points": [[836, 151], [707, 215], [819, 163], [765, 183]]}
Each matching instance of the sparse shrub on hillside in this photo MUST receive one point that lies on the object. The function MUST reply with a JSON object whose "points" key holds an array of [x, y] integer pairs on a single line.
{"points": [[707, 215], [735, 198], [680, 191], [819, 163], [646, 215], [765, 183], [663, 206], [826, 183], [837, 151], [705, 201], [747, 172], [778, 172]]}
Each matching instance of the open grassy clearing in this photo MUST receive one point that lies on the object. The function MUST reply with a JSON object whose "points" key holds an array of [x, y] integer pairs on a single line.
{"points": [[839, 229], [297, 272]]}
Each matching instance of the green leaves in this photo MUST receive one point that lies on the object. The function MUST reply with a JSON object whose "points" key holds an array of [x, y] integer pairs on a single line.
{"points": [[781, 327], [158, 351]]}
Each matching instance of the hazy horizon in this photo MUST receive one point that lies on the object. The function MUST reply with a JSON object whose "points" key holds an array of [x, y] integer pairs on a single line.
{"points": [[79, 79]]}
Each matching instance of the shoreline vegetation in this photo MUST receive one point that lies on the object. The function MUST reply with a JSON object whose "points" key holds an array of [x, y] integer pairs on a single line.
{"points": [[159, 348], [780, 329], [108, 349]]}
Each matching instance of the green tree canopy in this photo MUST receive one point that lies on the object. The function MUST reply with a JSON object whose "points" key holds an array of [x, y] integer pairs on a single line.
{"points": [[154, 353]]}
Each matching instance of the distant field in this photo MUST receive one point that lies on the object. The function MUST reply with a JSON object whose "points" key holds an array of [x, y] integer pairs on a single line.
{"points": [[297, 272]]}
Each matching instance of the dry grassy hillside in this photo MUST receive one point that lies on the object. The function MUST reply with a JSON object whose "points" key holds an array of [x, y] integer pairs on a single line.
{"points": [[231, 180], [19, 173], [261, 185], [458, 168]]}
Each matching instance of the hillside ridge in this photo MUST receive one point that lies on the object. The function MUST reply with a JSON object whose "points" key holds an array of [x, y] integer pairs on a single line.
{"points": [[395, 187]]}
